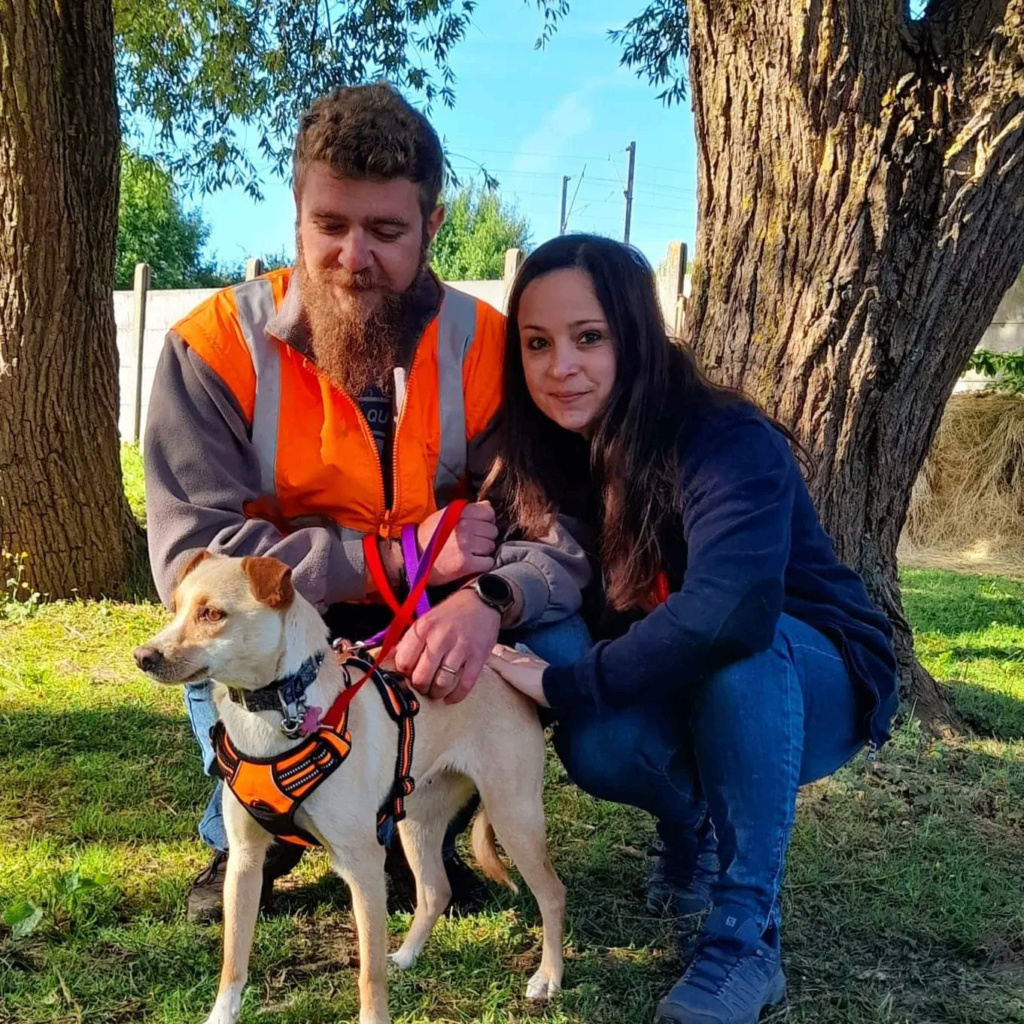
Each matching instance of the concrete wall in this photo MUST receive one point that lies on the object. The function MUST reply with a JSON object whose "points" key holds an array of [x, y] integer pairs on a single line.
{"points": [[1004, 334], [164, 308]]}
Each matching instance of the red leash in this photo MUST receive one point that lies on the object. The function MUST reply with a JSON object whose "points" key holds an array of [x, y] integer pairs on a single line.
{"points": [[405, 612]]}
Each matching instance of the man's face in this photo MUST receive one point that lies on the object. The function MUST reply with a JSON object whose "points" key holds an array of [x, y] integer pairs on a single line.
{"points": [[362, 240]]}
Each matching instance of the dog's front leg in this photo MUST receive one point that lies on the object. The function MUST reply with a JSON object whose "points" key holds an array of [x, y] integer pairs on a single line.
{"points": [[243, 883], [362, 867]]}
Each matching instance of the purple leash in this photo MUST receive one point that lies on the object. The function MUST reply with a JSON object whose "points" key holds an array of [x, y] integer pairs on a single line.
{"points": [[413, 564]]}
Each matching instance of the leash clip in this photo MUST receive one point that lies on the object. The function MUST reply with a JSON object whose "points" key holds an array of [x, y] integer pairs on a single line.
{"points": [[292, 723], [290, 727]]}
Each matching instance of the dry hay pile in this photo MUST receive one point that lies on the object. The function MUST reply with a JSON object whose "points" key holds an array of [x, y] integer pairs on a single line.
{"points": [[967, 507]]}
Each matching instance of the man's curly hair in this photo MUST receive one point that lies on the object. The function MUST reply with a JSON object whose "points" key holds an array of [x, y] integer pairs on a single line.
{"points": [[370, 132]]}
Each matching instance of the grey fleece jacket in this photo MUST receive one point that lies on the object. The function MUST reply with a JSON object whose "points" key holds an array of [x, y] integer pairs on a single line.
{"points": [[202, 469]]}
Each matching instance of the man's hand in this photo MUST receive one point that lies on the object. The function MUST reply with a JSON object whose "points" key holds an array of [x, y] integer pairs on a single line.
{"points": [[470, 548], [443, 653]]}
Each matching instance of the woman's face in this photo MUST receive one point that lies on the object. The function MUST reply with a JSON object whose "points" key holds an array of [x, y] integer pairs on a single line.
{"points": [[567, 349]]}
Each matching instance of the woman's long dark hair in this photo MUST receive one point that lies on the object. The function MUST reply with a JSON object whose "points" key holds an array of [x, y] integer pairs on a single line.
{"points": [[633, 470]]}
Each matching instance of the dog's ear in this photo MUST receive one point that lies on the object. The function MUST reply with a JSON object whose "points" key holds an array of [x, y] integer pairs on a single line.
{"points": [[190, 563], [186, 566], [270, 581]]}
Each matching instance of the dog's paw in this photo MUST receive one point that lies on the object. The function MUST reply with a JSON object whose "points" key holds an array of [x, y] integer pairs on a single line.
{"points": [[403, 959], [540, 988], [228, 1007]]}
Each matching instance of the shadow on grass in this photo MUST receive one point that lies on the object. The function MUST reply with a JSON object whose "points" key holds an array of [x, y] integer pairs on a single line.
{"points": [[954, 603], [989, 713], [104, 775], [905, 902]]}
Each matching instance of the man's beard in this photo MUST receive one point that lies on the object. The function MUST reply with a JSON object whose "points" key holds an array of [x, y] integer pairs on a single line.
{"points": [[355, 342]]}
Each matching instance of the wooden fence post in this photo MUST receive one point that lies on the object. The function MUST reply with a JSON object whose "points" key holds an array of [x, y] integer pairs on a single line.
{"points": [[513, 261], [140, 288], [253, 268], [671, 280]]}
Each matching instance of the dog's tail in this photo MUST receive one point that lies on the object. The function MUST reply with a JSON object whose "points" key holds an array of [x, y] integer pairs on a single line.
{"points": [[485, 852]]}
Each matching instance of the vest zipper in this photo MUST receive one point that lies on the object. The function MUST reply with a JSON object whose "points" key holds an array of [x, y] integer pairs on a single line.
{"points": [[386, 513]]}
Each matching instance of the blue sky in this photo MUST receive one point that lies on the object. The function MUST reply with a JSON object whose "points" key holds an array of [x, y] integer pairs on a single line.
{"points": [[529, 117]]}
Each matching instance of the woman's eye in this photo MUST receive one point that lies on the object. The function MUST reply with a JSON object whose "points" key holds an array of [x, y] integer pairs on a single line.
{"points": [[536, 344], [590, 337]]}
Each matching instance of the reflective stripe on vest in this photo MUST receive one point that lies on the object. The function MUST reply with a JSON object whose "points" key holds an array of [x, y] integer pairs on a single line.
{"points": [[456, 329], [255, 302]]}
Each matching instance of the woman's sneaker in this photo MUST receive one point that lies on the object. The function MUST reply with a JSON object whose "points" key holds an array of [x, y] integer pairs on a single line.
{"points": [[682, 890], [734, 974]]}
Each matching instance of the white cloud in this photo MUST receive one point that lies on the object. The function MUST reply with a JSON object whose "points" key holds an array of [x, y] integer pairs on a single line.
{"points": [[558, 128]]}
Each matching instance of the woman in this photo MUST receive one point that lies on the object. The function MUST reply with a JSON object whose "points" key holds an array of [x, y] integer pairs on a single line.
{"points": [[753, 663]]}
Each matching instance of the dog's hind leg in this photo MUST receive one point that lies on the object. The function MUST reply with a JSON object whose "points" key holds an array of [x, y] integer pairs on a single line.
{"points": [[243, 882], [433, 806], [360, 862], [516, 810]]}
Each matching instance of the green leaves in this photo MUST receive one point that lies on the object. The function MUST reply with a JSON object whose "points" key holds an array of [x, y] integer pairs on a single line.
{"points": [[22, 918], [223, 82], [476, 232], [71, 899], [1006, 369], [656, 44], [153, 228]]}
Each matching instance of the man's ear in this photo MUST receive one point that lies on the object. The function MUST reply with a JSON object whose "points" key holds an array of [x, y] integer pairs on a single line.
{"points": [[270, 581], [434, 222]]}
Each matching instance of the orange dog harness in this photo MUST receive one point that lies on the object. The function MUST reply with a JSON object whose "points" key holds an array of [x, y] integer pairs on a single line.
{"points": [[272, 789]]}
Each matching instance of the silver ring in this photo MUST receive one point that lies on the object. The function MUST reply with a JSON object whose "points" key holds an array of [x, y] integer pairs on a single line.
{"points": [[445, 668]]}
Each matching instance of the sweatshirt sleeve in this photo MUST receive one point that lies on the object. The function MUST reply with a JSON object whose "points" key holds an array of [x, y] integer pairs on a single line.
{"points": [[739, 491], [551, 573], [202, 470]]}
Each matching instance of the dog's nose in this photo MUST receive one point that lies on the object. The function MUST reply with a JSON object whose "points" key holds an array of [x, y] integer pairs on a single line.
{"points": [[148, 658]]}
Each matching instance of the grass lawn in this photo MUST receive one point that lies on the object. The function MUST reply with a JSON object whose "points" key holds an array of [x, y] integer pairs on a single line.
{"points": [[904, 902]]}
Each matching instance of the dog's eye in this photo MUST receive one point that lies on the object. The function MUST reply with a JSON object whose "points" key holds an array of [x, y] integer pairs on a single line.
{"points": [[208, 614]]}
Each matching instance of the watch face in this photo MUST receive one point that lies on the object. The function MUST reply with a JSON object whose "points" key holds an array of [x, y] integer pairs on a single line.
{"points": [[495, 590]]}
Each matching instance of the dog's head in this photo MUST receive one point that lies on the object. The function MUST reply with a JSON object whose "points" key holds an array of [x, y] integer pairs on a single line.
{"points": [[229, 623]]}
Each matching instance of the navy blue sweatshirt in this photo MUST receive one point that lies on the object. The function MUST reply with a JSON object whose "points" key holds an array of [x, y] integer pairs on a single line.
{"points": [[750, 548]]}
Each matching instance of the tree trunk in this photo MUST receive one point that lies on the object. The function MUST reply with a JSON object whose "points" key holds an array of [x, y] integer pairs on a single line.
{"points": [[861, 191], [61, 498]]}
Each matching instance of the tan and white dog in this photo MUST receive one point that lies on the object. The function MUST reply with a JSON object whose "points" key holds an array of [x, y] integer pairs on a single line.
{"points": [[240, 622]]}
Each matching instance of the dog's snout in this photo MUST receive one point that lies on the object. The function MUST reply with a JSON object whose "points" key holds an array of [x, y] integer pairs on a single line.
{"points": [[148, 658]]}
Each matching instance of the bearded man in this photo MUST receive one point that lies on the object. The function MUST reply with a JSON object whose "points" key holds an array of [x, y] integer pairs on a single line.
{"points": [[313, 413]]}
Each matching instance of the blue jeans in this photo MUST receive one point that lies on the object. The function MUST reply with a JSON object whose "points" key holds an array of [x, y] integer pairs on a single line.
{"points": [[728, 760], [561, 643]]}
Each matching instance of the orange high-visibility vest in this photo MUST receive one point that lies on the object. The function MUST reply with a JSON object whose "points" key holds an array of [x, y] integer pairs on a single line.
{"points": [[316, 453]]}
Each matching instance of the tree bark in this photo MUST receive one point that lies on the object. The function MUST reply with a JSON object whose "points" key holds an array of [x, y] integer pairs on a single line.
{"points": [[861, 213], [61, 497]]}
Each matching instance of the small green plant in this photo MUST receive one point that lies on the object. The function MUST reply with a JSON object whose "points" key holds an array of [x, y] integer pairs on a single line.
{"points": [[76, 897], [18, 601], [1005, 370], [71, 900]]}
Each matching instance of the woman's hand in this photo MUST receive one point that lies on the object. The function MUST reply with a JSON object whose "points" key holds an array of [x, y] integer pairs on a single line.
{"points": [[525, 672]]}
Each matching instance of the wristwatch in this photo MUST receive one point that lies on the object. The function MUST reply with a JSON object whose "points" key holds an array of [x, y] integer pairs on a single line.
{"points": [[493, 591]]}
